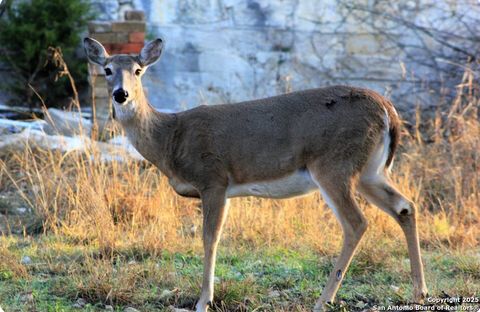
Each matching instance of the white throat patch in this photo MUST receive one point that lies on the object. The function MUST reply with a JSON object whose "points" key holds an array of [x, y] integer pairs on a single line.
{"points": [[124, 112]]}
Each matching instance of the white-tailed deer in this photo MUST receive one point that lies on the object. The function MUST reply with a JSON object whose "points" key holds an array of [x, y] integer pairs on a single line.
{"points": [[336, 140]]}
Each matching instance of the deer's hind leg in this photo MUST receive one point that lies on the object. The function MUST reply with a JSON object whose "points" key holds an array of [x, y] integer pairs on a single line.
{"points": [[338, 192], [377, 188]]}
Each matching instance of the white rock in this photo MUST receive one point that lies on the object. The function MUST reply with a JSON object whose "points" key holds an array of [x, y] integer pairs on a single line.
{"points": [[80, 303], [125, 144], [173, 309], [274, 294], [15, 126], [39, 139], [26, 260], [27, 297], [22, 210], [67, 123], [130, 309], [36, 138]]}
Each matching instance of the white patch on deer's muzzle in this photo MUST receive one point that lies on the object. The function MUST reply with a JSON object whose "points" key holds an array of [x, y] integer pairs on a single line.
{"points": [[124, 111]]}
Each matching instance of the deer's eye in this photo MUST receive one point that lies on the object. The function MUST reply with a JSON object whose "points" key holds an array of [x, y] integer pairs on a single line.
{"points": [[138, 72], [108, 71]]}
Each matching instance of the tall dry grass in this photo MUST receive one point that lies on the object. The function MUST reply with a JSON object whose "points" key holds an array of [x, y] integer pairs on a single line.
{"points": [[128, 207]]}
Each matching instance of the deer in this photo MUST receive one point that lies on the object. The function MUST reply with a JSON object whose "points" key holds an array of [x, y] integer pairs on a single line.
{"points": [[338, 140]]}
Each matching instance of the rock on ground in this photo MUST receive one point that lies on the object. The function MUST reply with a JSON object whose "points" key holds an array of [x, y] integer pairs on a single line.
{"points": [[39, 139], [80, 303]]}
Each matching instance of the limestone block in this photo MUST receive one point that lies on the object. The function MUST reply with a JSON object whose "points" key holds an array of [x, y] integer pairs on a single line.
{"points": [[94, 69], [99, 27], [198, 12], [98, 81], [365, 44], [100, 92], [323, 16], [111, 37], [134, 15], [128, 26]]}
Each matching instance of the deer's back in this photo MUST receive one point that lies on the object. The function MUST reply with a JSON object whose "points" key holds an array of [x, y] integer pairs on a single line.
{"points": [[281, 134]]}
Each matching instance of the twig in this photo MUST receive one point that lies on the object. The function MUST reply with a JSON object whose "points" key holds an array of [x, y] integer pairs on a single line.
{"points": [[56, 57]]}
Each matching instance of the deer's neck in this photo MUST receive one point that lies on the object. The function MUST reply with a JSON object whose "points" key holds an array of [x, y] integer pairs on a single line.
{"points": [[151, 133]]}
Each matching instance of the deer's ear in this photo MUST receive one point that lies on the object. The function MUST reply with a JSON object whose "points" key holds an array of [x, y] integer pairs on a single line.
{"points": [[151, 52], [95, 51]]}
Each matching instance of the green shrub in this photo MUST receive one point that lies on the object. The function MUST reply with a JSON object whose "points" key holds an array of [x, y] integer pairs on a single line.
{"points": [[27, 29]]}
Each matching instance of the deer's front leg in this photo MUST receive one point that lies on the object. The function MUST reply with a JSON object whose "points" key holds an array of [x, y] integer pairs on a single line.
{"points": [[214, 214]]}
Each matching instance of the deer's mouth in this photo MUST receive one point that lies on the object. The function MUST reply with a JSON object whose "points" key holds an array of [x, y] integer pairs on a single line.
{"points": [[121, 103]]}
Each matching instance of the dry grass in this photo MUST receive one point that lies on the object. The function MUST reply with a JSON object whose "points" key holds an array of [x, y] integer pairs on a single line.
{"points": [[118, 205], [127, 208], [9, 266]]}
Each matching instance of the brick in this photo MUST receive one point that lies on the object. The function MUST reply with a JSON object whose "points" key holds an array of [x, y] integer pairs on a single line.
{"points": [[136, 37], [128, 26], [108, 38], [134, 15], [127, 48], [104, 37], [122, 38], [99, 27], [108, 47]]}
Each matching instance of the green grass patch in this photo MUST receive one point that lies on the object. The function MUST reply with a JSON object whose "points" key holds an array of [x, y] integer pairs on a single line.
{"points": [[274, 279]]}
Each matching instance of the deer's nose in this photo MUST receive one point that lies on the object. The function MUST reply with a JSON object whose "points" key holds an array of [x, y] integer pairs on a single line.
{"points": [[120, 95]]}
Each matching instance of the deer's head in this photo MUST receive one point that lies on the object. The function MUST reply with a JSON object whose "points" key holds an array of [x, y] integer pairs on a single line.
{"points": [[123, 73]]}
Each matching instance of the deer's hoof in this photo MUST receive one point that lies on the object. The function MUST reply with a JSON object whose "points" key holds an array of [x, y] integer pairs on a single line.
{"points": [[420, 295], [203, 307], [321, 306]]}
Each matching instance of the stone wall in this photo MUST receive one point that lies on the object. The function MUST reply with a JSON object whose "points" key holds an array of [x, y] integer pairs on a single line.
{"points": [[223, 51]]}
